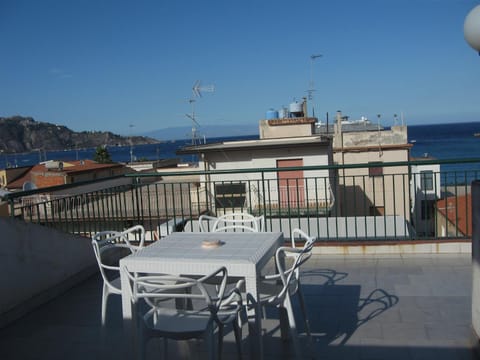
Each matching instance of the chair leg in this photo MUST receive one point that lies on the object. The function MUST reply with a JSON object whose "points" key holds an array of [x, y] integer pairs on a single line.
{"points": [[284, 323], [220, 340], [293, 326], [165, 348], [105, 293], [304, 312], [142, 349], [237, 330], [103, 329], [210, 341]]}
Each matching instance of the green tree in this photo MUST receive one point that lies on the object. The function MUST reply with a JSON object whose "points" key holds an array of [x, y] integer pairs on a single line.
{"points": [[102, 155]]}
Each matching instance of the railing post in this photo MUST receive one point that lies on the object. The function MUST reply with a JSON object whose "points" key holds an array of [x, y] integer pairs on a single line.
{"points": [[136, 204], [12, 207], [476, 262]]}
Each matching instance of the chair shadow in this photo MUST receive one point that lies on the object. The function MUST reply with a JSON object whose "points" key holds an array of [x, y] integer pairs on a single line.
{"points": [[335, 310]]}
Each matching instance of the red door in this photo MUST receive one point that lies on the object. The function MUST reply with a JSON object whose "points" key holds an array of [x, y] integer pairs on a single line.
{"points": [[291, 184]]}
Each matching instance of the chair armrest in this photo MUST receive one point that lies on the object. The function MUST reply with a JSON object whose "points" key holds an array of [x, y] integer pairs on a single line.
{"points": [[233, 295]]}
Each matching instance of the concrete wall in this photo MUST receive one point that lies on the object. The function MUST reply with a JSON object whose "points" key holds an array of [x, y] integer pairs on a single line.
{"points": [[286, 128], [397, 135], [37, 264]]}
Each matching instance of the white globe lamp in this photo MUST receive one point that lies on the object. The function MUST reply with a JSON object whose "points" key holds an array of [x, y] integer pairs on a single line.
{"points": [[471, 28]]}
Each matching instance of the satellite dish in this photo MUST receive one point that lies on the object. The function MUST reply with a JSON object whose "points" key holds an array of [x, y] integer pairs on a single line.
{"points": [[28, 185]]}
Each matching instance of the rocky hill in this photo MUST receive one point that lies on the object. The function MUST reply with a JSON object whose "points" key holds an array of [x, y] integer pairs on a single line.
{"points": [[23, 134]]}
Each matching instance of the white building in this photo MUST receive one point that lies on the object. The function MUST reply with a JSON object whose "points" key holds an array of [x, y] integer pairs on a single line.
{"points": [[425, 190], [283, 143]]}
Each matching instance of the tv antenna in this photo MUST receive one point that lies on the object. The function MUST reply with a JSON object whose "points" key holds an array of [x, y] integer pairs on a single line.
{"points": [[131, 126], [195, 123], [312, 84], [311, 87], [198, 88]]}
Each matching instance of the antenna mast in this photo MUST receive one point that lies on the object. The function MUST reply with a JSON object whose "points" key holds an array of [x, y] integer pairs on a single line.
{"points": [[191, 116], [197, 90], [311, 87]]}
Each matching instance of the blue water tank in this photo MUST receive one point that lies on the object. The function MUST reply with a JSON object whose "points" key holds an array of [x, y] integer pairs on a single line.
{"points": [[272, 114]]}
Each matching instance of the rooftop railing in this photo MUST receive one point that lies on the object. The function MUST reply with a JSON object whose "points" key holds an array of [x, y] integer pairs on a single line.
{"points": [[378, 201]]}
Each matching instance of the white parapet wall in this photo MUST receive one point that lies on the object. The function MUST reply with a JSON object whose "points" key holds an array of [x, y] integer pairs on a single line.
{"points": [[37, 264]]}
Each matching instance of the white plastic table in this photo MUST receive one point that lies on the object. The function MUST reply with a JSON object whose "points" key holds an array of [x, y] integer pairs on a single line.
{"points": [[181, 253]]}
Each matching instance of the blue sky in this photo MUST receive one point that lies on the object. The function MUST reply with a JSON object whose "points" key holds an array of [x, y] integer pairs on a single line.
{"points": [[129, 66]]}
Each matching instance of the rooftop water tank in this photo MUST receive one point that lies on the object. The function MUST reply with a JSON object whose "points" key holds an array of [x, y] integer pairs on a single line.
{"points": [[272, 114], [282, 113], [296, 109]]}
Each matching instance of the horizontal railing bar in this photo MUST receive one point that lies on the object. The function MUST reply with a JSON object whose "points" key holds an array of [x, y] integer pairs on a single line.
{"points": [[310, 167]]}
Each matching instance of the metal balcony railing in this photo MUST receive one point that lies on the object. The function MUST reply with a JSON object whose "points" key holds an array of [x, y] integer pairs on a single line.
{"points": [[388, 201]]}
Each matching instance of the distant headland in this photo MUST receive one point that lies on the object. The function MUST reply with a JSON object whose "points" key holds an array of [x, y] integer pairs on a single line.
{"points": [[20, 134]]}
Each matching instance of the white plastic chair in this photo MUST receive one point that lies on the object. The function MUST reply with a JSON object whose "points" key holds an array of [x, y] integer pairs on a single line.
{"points": [[298, 234], [233, 222], [205, 222], [108, 247], [260, 223], [276, 290], [209, 309]]}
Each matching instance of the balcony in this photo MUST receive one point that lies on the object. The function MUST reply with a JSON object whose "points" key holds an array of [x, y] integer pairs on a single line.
{"points": [[360, 307], [391, 278]]}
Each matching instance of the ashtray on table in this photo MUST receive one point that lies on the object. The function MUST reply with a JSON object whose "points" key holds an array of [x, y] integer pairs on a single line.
{"points": [[209, 244]]}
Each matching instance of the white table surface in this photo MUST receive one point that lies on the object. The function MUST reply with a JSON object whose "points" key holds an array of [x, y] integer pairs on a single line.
{"points": [[243, 254]]}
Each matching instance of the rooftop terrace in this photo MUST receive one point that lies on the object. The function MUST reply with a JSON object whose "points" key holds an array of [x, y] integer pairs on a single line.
{"points": [[360, 307]]}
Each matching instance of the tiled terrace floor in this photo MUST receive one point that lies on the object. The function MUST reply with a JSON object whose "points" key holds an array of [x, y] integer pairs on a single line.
{"points": [[361, 307]]}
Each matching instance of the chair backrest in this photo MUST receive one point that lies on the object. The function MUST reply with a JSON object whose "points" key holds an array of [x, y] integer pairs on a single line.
{"points": [[156, 289], [206, 222], [298, 233], [232, 222], [135, 233], [236, 222], [260, 223], [108, 246], [290, 275]]}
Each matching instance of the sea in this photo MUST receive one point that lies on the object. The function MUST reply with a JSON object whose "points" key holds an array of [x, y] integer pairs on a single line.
{"points": [[440, 141]]}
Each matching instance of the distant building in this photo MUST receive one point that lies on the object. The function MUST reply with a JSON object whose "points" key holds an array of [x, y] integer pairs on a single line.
{"points": [[454, 216], [52, 173], [153, 165], [425, 190], [3, 204], [295, 142], [9, 175], [285, 142], [375, 190]]}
